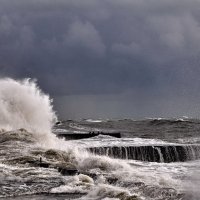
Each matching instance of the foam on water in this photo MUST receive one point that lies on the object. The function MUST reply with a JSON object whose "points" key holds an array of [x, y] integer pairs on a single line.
{"points": [[106, 140], [81, 128], [94, 120]]}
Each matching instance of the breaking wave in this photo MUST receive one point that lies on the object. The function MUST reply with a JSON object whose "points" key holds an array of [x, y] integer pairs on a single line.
{"points": [[24, 105]]}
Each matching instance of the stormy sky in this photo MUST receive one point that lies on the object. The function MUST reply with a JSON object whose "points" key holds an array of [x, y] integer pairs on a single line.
{"points": [[106, 58]]}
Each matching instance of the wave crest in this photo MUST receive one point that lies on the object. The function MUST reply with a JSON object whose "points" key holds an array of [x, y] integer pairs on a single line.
{"points": [[24, 105]]}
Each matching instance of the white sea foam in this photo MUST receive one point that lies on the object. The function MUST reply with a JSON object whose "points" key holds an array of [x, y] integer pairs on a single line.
{"points": [[189, 140], [60, 130], [104, 191], [24, 105], [78, 127], [94, 120], [105, 140], [83, 185]]}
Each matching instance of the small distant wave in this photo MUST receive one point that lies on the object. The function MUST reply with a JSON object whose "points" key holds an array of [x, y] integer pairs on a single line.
{"points": [[59, 130], [63, 131], [163, 118], [94, 120], [82, 128], [161, 121], [99, 137], [154, 118]]}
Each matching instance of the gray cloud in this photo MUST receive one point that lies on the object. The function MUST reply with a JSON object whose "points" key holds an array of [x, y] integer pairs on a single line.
{"points": [[91, 47], [85, 36]]}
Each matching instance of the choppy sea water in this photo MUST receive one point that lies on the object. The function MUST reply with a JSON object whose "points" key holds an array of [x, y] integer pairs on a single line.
{"points": [[109, 172], [163, 153], [155, 159]]}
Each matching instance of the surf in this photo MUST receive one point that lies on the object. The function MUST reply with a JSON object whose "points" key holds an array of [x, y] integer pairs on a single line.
{"points": [[26, 120], [24, 105]]}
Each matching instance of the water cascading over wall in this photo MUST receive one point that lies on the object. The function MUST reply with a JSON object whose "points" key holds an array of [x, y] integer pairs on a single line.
{"points": [[166, 153]]}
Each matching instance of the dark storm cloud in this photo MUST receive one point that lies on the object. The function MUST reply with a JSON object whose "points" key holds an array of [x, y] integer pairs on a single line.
{"points": [[103, 46]]}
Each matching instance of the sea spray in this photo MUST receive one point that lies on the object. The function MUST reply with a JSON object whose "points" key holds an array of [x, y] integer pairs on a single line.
{"points": [[24, 105]]}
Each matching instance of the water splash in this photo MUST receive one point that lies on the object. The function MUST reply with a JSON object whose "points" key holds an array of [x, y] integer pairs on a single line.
{"points": [[24, 105]]}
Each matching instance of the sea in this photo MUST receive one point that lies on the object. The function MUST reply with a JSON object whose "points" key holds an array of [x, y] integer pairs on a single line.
{"points": [[154, 159]]}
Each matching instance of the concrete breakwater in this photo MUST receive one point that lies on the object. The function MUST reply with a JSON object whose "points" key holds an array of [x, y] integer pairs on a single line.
{"points": [[165, 153], [77, 136]]}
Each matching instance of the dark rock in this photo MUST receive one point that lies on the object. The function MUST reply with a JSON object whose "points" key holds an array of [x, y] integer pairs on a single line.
{"points": [[44, 165], [112, 180], [39, 164], [68, 171]]}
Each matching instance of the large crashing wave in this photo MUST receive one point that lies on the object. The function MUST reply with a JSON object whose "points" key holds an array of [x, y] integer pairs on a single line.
{"points": [[24, 105]]}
